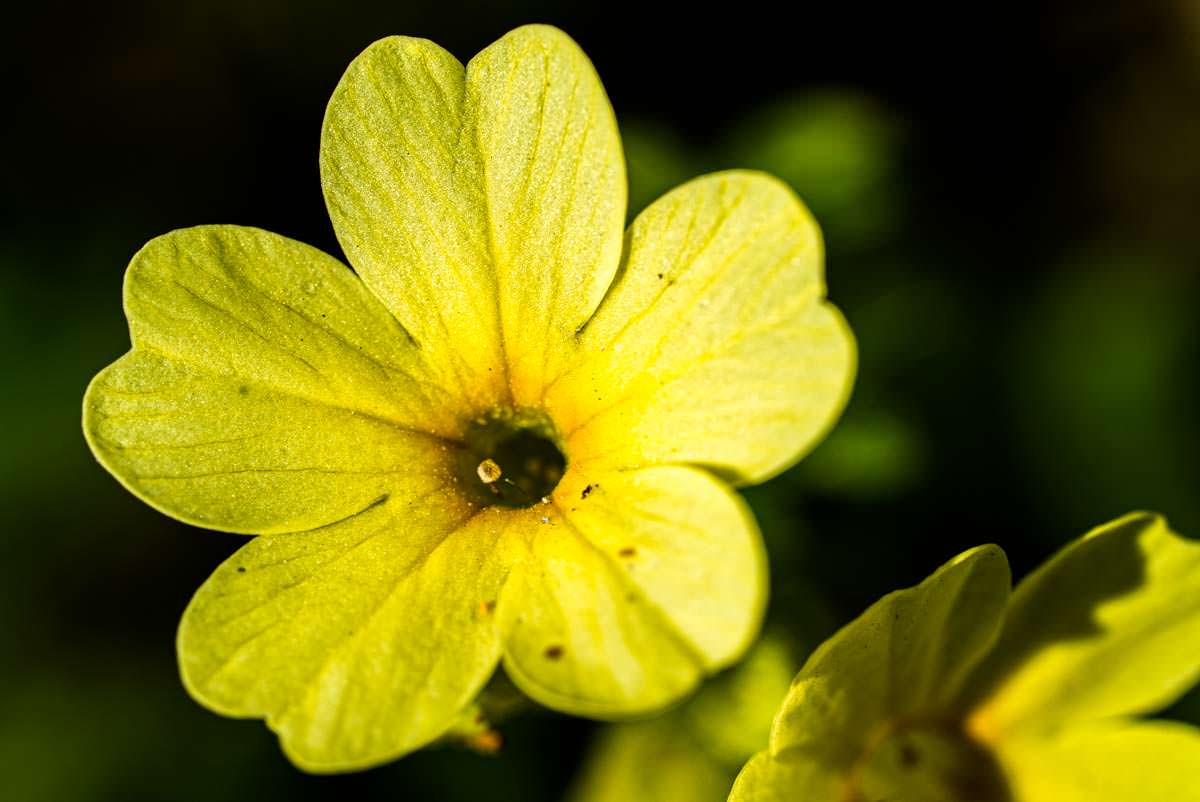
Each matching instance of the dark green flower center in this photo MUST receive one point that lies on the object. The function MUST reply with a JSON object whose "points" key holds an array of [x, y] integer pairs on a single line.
{"points": [[511, 458], [931, 764]]}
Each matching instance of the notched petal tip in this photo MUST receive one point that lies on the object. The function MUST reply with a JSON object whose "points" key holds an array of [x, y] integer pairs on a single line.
{"points": [[534, 35], [714, 346], [357, 645], [642, 589]]}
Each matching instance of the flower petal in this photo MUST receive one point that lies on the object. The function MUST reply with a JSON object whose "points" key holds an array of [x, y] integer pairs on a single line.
{"points": [[690, 753], [1107, 627], [1116, 761], [900, 660], [793, 777], [404, 191], [638, 584], [266, 391], [650, 761], [358, 642], [554, 175], [485, 208], [714, 345]]}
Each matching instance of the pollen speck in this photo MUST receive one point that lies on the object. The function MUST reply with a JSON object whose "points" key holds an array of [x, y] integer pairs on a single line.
{"points": [[489, 472], [628, 551], [554, 652]]}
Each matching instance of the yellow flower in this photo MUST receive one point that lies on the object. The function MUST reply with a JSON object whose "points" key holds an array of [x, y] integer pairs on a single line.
{"points": [[957, 691], [509, 439]]}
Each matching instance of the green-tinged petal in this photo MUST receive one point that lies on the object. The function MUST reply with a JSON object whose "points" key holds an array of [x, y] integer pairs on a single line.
{"points": [[266, 391], [483, 206], [687, 543], [404, 190], [714, 345], [693, 752], [795, 777], [554, 175], [731, 717], [638, 584], [898, 663], [1115, 761], [1108, 627], [650, 761], [357, 642]]}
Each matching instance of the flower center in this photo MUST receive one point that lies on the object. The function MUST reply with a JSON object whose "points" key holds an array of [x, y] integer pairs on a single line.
{"points": [[930, 763], [512, 458]]}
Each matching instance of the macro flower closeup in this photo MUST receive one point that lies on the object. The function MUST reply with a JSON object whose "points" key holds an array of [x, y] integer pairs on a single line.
{"points": [[509, 436], [957, 691]]}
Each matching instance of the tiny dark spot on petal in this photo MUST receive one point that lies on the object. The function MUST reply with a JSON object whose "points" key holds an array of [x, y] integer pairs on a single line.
{"points": [[628, 551], [660, 275], [554, 652], [241, 569], [243, 390]]}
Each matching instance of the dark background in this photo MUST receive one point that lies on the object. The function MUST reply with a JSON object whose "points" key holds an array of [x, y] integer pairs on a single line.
{"points": [[1011, 202]]}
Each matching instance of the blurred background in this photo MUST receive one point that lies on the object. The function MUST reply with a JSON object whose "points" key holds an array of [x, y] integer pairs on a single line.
{"points": [[1011, 203]]}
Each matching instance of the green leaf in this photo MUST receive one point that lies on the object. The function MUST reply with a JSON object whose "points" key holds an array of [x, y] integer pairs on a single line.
{"points": [[267, 390], [714, 345], [1107, 627]]}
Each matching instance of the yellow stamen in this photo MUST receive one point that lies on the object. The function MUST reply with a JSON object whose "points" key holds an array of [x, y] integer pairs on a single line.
{"points": [[489, 472]]}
